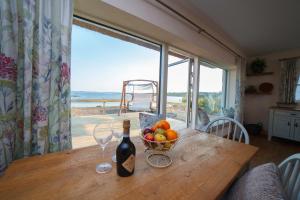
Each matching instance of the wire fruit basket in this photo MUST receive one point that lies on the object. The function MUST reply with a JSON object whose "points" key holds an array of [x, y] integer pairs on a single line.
{"points": [[158, 153]]}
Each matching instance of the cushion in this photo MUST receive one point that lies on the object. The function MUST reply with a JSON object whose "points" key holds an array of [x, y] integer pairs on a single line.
{"points": [[203, 120], [148, 119], [260, 183]]}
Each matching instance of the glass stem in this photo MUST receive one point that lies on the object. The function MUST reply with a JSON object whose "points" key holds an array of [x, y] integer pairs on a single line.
{"points": [[103, 153]]}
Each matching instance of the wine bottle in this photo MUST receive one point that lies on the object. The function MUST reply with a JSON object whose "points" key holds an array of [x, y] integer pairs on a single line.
{"points": [[125, 153]]}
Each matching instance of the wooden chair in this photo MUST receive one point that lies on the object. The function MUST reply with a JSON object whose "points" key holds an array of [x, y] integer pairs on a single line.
{"points": [[290, 176], [228, 128]]}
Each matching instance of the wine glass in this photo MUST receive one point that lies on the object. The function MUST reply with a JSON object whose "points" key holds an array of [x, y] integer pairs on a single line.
{"points": [[102, 135], [117, 131]]}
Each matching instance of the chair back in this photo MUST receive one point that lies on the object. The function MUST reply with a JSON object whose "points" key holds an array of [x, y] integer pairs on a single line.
{"points": [[202, 120], [290, 176], [228, 128]]}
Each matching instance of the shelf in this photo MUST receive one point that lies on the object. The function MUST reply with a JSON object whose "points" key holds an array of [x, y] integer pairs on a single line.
{"points": [[261, 74]]}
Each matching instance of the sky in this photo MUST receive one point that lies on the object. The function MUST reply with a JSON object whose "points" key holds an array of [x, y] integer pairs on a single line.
{"points": [[101, 63]]}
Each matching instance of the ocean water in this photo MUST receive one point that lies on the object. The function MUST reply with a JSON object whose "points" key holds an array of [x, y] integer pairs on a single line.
{"points": [[75, 95]]}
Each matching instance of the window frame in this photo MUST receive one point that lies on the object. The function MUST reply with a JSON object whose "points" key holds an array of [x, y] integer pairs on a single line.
{"points": [[225, 88]]}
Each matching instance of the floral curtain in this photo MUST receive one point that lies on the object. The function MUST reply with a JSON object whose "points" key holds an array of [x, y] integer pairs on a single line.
{"points": [[34, 77], [240, 89], [289, 77]]}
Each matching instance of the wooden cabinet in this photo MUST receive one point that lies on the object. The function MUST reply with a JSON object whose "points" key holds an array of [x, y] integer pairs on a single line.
{"points": [[284, 124]]}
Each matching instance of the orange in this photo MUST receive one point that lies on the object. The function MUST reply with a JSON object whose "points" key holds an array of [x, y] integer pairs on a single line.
{"points": [[171, 134], [164, 124]]}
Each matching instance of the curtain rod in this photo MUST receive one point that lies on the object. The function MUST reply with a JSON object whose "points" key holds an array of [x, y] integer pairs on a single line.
{"points": [[200, 29], [291, 58]]}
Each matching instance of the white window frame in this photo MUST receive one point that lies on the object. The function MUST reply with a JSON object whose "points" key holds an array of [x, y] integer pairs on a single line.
{"points": [[195, 91], [224, 103], [163, 81]]}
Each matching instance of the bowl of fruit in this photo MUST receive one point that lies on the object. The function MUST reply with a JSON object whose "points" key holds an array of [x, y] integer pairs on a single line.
{"points": [[159, 139], [160, 136]]}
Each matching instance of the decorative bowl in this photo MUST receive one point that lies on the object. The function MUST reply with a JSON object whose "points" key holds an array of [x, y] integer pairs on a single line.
{"points": [[266, 87]]}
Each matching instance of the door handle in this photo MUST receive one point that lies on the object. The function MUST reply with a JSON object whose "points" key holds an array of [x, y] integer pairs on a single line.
{"points": [[289, 123], [296, 125]]}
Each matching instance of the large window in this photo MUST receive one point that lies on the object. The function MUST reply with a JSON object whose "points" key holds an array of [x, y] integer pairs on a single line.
{"points": [[101, 62], [106, 60], [212, 90], [298, 91]]}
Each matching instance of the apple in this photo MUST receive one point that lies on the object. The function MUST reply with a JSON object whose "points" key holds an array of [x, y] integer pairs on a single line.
{"points": [[160, 138], [153, 129], [147, 130], [149, 137], [160, 131]]}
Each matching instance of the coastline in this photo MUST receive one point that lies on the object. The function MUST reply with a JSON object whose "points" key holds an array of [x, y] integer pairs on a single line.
{"points": [[84, 111]]}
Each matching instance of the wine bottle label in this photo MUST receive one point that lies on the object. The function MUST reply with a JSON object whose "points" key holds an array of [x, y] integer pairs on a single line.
{"points": [[128, 164]]}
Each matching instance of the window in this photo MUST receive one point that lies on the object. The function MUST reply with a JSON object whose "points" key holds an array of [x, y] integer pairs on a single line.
{"points": [[101, 61], [178, 77], [212, 90], [297, 96]]}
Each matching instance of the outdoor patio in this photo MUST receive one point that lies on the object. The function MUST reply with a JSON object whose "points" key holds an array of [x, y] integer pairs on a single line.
{"points": [[83, 126]]}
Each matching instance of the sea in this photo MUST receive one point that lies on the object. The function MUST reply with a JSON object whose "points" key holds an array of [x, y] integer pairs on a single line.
{"points": [[77, 95]]}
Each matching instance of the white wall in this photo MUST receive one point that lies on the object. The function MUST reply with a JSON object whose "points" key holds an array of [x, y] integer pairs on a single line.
{"points": [[257, 106]]}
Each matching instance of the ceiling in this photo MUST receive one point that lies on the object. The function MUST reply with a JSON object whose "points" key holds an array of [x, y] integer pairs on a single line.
{"points": [[258, 26]]}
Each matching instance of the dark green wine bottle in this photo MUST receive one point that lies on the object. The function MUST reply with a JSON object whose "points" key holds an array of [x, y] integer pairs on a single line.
{"points": [[125, 153]]}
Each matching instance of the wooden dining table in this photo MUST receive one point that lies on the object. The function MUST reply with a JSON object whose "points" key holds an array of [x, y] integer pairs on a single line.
{"points": [[204, 166]]}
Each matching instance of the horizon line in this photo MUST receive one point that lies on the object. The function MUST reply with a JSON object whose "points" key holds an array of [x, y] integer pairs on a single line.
{"points": [[121, 92]]}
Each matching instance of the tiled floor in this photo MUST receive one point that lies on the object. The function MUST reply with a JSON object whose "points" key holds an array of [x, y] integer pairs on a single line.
{"points": [[272, 151]]}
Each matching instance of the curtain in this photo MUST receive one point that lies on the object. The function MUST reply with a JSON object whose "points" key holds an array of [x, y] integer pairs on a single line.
{"points": [[240, 89], [289, 75], [34, 77]]}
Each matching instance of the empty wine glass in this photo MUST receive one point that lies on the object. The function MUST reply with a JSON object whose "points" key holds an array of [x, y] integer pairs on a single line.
{"points": [[117, 131], [102, 135]]}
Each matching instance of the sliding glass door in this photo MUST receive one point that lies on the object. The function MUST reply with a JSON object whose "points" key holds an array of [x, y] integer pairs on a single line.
{"points": [[178, 95]]}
